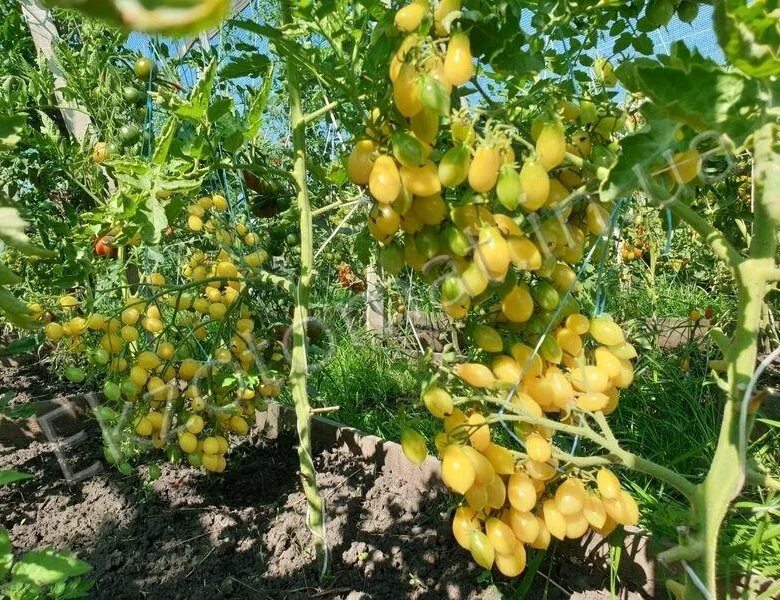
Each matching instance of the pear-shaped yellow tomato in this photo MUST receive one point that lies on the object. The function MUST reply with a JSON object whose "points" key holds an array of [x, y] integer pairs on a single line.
{"points": [[605, 331], [500, 535], [492, 253], [422, 180], [512, 564], [598, 219], [413, 445], [483, 172], [443, 10], [685, 166], [501, 458], [384, 182], [406, 91], [518, 304], [482, 550], [410, 41], [487, 338], [474, 279], [410, 17], [425, 126], [438, 402], [383, 222], [524, 254], [536, 185], [551, 146], [457, 470], [429, 210], [521, 492], [463, 523], [458, 63], [454, 166], [475, 374], [361, 162]]}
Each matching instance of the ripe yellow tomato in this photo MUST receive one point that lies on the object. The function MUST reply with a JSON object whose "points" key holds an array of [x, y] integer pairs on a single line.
{"points": [[464, 522], [438, 402], [501, 458], [482, 550], [410, 17], [361, 162], [54, 331], [554, 519], [518, 304], [385, 181], [383, 222], [188, 442], [422, 180], [413, 446], [484, 168], [685, 166], [399, 58], [524, 253], [219, 203], [524, 525], [457, 470], [606, 332], [536, 185], [551, 146], [521, 492], [430, 209], [458, 62], [406, 91], [492, 253], [475, 374]]}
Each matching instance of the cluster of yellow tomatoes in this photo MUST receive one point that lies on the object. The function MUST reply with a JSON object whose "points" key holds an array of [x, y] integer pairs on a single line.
{"points": [[499, 239], [186, 357]]}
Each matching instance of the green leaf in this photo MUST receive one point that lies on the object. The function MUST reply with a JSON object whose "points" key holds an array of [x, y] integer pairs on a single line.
{"points": [[245, 65], [48, 567], [11, 126], [254, 118], [640, 152], [6, 553], [698, 92], [152, 219], [8, 277], [12, 228], [197, 105], [15, 311], [164, 142], [171, 17], [8, 477], [749, 35]]}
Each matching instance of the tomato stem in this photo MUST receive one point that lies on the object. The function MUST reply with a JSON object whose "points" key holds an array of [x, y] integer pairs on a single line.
{"points": [[299, 368]]}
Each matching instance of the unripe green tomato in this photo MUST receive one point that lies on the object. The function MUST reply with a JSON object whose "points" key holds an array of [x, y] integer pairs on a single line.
{"points": [[75, 374], [144, 68], [112, 391]]}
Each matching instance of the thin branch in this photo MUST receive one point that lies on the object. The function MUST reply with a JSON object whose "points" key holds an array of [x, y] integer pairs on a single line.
{"points": [[314, 115]]}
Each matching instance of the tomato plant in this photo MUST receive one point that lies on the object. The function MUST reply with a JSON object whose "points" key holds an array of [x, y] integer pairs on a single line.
{"points": [[498, 154]]}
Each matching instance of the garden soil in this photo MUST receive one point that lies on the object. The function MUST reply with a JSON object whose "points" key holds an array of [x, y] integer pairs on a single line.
{"points": [[187, 535]]}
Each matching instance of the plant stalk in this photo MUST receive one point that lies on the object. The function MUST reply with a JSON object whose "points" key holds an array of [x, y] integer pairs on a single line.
{"points": [[299, 368]]}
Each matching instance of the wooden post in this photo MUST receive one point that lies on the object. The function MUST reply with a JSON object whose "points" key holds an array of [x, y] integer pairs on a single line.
{"points": [[44, 32], [375, 306]]}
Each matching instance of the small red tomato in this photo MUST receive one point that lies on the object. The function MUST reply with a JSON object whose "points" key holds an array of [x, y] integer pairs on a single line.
{"points": [[104, 248]]}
